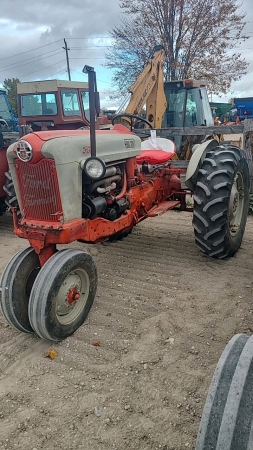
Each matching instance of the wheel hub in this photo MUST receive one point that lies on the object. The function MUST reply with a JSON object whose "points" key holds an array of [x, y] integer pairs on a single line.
{"points": [[73, 296], [234, 199], [236, 204]]}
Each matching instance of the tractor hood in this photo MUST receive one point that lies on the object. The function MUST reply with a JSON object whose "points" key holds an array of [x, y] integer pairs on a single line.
{"points": [[66, 146], [66, 150]]}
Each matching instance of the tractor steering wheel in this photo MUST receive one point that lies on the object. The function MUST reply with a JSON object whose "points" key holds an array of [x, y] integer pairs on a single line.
{"points": [[135, 123]]}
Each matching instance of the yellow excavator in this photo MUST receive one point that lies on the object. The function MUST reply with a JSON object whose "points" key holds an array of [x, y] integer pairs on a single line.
{"points": [[148, 90], [179, 103]]}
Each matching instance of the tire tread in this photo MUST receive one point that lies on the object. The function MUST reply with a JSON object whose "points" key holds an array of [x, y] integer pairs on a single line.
{"points": [[211, 201]]}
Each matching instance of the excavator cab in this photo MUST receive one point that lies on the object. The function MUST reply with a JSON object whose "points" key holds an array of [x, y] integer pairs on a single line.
{"points": [[187, 106]]}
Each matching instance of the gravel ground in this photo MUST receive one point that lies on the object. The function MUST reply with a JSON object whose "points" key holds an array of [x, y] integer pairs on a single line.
{"points": [[136, 374]]}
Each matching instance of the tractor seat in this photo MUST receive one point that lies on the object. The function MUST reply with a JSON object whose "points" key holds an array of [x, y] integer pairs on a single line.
{"points": [[157, 151]]}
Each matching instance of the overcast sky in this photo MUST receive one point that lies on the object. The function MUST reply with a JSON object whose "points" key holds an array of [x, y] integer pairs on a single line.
{"points": [[32, 36]]}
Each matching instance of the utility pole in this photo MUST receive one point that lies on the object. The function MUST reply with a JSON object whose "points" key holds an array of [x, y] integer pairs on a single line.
{"points": [[67, 57]]}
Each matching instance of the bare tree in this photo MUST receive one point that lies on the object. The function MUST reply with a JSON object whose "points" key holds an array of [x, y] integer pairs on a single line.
{"points": [[200, 38]]}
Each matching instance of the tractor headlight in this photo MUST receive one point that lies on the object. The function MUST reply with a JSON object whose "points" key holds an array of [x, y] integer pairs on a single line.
{"points": [[94, 168]]}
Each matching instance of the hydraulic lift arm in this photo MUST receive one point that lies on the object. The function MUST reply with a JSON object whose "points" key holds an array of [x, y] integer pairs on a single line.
{"points": [[149, 89]]}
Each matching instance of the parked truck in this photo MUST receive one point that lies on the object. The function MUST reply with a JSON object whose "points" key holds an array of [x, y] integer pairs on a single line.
{"points": [[244, 107]]}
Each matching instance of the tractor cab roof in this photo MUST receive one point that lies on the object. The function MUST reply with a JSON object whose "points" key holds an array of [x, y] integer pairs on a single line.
{"points": [[32, 87]]}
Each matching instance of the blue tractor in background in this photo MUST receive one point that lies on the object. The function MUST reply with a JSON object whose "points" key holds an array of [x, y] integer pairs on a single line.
{"points": [[8, 119]]}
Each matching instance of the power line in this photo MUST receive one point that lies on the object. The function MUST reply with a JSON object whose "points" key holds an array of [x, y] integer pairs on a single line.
{"points": [[15, 65], [91, 48], [47, 53], [101, 81], [22, 53], [32, 57], [85, 58], [92, 37], [80, 48], [72, 70], [52, 74], [40, 70]]}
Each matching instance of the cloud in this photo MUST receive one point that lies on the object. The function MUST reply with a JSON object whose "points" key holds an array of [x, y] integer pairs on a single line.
{"points": [[33, 36], [87, 16]]}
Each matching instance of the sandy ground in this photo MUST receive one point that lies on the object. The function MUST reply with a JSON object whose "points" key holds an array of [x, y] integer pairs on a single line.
{"points": [[162, 316]]}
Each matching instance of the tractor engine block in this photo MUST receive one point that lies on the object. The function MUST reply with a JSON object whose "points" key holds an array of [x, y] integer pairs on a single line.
{"points": [[100, 197]]}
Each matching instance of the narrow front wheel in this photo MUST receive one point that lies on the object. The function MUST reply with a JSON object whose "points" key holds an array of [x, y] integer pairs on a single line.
{"points": [[16, 284], [63, 294]]}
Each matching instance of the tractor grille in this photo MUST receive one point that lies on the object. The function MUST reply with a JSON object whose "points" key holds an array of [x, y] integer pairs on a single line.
{"points": [[39, 190]]}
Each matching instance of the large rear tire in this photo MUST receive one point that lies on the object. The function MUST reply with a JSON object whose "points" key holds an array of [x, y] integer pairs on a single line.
{"points": [[227, 419], [221, 201], [3, 207], [11, 197], [63, 294], [16, 284]]}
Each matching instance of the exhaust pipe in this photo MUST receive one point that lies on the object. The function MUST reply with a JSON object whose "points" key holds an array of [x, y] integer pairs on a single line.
{"points": [[93, 105]]}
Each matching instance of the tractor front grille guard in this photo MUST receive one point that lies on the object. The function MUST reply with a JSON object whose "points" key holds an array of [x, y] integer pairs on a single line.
{"points": [[39, 190]]}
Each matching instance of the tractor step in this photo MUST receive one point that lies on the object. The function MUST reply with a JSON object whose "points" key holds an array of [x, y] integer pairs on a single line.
{"points": [[160, 209]]}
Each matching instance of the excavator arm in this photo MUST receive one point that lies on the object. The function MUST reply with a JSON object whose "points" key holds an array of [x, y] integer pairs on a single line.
{"points": [[149, 89]]}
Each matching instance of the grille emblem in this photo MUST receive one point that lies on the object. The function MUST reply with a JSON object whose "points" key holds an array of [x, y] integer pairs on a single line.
{"points": [[24, 151]]}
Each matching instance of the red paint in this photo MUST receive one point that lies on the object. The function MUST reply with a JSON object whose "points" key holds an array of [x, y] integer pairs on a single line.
{"points": [[73, 296], [148, 194], [3, 169], [39, 190], [155, 188], [54, 134], [46, 253]]}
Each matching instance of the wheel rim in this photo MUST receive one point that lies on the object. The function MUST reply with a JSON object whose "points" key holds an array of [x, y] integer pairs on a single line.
{"points": [[236, 204], [72, 296]]}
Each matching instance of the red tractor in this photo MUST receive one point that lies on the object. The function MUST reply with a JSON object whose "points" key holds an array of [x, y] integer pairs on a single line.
{"points": [[92, 185], [53, 104]]}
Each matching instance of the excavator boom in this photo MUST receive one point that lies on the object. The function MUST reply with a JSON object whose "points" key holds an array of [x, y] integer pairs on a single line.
{"points": [[149, 89]]}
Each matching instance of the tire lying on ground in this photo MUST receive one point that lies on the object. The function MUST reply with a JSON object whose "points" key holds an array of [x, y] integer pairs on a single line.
{"points": [[227, 419], [221, 201]]}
